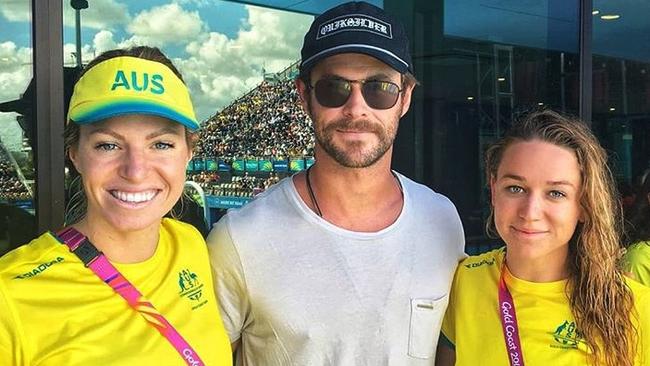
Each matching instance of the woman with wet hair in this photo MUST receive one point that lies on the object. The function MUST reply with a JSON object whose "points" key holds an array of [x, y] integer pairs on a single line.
{"points": [[120, 284], [555, 294]]}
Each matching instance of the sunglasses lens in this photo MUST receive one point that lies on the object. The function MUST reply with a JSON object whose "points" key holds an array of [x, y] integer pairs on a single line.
{"points": [[332, 93], [380, 94]]}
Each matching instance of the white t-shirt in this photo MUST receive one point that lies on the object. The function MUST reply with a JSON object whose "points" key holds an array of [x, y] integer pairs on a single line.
{"points": [[298, 290]]}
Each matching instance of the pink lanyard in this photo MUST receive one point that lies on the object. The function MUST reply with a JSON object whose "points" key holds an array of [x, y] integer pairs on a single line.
{"points": [[97, 262], [509, 323]]}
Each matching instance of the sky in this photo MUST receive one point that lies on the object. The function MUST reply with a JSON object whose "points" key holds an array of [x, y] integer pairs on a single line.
{"points": [[221, 48]]}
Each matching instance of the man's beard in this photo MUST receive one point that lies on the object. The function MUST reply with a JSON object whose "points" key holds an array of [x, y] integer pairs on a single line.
{"points": [[350, 155]]}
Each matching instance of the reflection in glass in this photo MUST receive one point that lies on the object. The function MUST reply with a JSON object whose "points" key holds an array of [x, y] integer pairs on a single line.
{"points": [[621, 84], [17, 133], [303, 6], [478, 69], [239, 62]]}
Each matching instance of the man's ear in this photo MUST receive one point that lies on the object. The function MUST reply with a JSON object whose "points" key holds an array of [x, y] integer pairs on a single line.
{"points": [[406, 98], [303, 93]]}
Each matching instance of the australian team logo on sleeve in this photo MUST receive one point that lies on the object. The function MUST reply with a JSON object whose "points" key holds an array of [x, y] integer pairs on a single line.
{"points": [[355, 22], [191, 288]]}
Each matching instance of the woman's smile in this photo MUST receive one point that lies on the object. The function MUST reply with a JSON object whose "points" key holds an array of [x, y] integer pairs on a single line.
{"points": [[135, 199]]}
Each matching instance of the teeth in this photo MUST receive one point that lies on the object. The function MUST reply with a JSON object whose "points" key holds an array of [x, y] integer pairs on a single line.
{"points": [[134, 197]]}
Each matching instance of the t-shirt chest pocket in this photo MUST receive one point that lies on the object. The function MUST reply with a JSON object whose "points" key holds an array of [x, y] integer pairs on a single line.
{"points": [[426, 319]]}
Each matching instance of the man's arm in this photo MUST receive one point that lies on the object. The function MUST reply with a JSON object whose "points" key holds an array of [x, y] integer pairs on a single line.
{"points": [[229, 282], [235, 345], [445, 354]]}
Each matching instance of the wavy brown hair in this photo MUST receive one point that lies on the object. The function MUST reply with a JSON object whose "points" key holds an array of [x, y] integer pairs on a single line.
{"points": [[600, 300]]}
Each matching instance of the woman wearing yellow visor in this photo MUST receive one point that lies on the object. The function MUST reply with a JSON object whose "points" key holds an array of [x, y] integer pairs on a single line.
{"points": [[121, 285]]}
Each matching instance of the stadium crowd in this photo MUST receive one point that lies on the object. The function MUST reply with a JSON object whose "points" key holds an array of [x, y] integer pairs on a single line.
{"points": [[240, 185], [11, 188], [267, 122]]}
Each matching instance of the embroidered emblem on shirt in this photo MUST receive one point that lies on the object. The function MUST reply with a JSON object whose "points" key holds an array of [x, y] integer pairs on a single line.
{"points": [[566, 335], [191, 288], [39, 269]]}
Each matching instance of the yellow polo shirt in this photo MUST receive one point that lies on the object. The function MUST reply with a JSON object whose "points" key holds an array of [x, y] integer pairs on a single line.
{"points": [[54, 311], [547, 327], [637, 261]]}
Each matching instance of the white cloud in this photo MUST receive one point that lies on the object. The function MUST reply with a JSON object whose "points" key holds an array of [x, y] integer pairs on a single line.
{"points": [[15, 70], [103, 41], [273, 34], [216, 68], [16, 10], [197, 3], [70, 50], [15, 74], [166, 24], [103, 14], [219, 70]]}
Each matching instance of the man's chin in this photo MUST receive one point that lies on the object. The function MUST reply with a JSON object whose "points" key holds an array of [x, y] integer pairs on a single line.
{"points": [[357, 159]]}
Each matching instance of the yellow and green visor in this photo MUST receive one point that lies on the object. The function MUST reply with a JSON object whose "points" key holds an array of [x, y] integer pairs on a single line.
{"points": [[130, 85]]}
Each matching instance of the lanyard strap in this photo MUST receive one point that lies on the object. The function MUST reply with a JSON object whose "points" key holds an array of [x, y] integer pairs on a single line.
{"points": [[99, 264], [509, 323]]}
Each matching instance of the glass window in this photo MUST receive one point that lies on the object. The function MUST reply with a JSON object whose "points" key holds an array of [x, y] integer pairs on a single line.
{"points": [[239, 61], [621, 84], [478, 68], [17, 134], [305, 6]]}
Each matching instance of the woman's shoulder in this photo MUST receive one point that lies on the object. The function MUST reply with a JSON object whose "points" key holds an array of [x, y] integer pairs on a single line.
{"points": [[35, 260], [641, 295], [638, 251], [640, 292], [31, 259], [176, 234], [637, 262], [483, 263], [178, 227]]}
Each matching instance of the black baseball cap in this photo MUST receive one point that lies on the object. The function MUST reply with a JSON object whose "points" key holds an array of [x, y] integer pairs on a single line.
{"points": [[357, 27]]}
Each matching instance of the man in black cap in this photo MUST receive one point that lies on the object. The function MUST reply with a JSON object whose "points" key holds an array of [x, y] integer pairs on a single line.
{"points": [[348, 263]]}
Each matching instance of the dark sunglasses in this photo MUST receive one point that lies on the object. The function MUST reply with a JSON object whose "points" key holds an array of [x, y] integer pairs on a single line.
{"points": [[333, 93]]}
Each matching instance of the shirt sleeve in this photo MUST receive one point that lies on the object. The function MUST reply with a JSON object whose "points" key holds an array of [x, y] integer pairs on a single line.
{"points": [[229, 280], [637, 262], [11, 352]]}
